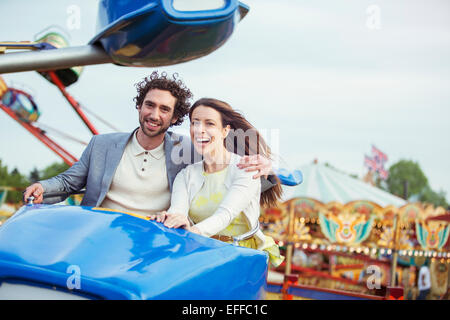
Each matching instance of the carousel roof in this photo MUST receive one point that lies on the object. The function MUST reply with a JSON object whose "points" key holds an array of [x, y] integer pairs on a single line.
{"points": [[326, 184]]}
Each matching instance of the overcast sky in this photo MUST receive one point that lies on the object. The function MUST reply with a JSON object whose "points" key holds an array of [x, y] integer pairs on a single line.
{"points": [[322, 79]]}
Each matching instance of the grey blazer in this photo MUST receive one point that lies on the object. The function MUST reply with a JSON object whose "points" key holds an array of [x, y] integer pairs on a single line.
{"points": [[98, 163]]}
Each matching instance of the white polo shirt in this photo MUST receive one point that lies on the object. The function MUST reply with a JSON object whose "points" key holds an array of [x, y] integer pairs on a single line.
{"points": [[140, 184]]}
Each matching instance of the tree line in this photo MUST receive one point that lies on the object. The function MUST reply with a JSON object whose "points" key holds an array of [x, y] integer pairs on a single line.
{"points": [[18, 181], [406, 180]]}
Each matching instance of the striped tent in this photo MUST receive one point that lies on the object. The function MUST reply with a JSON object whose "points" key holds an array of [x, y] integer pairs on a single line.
{"points": [[326, 184]]}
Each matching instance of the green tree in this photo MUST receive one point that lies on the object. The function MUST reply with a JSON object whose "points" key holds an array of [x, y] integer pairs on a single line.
{"points": [[436, 198], [406, 170], [418, 186], [34, 175], [19, 182], [3, 174], [53, 170], [15, 180]]}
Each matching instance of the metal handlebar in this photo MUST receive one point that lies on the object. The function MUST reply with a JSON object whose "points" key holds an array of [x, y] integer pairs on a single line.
{"points": [[54, 194], [246, 235], [62, 193], [30, 200]]}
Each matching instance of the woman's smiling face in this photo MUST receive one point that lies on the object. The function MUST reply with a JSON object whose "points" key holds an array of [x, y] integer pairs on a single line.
{"points": [[207, 132]]}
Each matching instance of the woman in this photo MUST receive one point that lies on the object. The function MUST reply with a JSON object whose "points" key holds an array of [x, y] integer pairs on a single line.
{"points": [[214, 197]]}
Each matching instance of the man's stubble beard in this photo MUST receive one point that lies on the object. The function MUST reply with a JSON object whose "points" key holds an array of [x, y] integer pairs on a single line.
{"points": [[150, 134]]}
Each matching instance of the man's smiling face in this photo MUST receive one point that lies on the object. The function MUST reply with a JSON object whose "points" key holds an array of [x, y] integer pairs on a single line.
{"points": [[156, 112]]}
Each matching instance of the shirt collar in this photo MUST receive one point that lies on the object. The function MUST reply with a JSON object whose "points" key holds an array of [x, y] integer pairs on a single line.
{"points": [[137, 149]]}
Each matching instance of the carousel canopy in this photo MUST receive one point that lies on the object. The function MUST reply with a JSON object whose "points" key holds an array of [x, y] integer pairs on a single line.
{"points": [[326, 184]]}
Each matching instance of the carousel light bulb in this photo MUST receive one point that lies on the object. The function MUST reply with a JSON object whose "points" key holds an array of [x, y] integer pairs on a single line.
{"points": [[281, 243], [389, 251], [366, 251], [305, 246], [382, 251], [358, 250], [314, 246]]}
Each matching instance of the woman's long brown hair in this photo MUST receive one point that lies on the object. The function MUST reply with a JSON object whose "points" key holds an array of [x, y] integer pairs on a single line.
{"points": [[243, 139]]}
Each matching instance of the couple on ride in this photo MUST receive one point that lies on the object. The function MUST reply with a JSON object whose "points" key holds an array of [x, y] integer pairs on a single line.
{"points": [[156, 173]]}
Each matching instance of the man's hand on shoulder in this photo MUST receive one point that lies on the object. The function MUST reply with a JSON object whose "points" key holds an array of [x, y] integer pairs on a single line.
{"points": [[256, 163], [36, 190]]}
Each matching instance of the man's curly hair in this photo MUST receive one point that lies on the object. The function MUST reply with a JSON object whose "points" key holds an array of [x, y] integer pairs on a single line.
{"points": [[175, 86]]}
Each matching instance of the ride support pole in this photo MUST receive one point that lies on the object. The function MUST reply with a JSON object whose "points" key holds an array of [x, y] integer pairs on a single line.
{"points": [[394, 251], [44, 60], [290, 232], [75, 105], [52, 145]]}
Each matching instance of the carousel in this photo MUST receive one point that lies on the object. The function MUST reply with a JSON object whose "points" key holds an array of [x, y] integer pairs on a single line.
{"points": [[346, 239]]}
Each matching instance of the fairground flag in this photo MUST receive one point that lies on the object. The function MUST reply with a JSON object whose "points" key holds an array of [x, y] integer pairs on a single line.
{"points": [[379, 156], [376, 162], [370, 163], [383, 173]]}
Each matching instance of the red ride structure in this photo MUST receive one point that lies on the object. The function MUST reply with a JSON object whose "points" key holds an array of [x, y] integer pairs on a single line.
{"points": [[20, 106]]}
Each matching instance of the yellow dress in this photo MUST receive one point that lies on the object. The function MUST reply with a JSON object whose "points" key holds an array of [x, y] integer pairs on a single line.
{"points": [[206, 202]]}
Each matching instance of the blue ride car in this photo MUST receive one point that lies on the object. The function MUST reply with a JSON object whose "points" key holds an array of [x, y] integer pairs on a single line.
{"points": [[73, 252]]}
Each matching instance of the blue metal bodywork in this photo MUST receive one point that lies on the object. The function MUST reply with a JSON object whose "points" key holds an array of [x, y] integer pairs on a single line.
{"points": [[152, 33], [120, 256], [288, 177]]}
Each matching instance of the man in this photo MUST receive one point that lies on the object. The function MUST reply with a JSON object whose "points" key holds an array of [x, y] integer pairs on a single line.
{"points": [[424, 281], [135, 171]]}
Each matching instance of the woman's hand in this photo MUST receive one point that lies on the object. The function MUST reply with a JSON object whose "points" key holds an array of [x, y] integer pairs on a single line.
{"points": [[174, 220], [160, 217], [258, 163], [193, 229]]}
